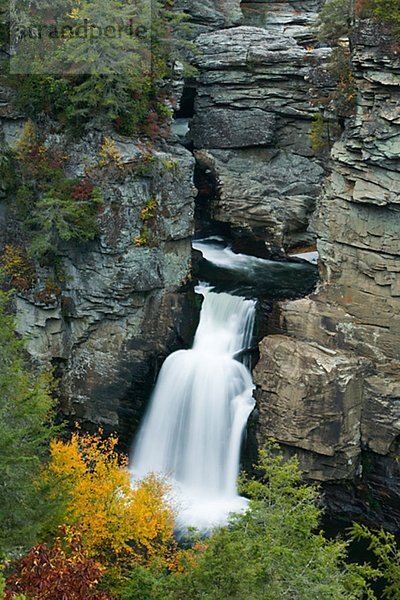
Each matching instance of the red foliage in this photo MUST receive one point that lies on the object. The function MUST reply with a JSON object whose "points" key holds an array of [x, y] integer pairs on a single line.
{"points": [[118, 123], [60, 572], [55, 163], [153, 127], [82, 190], [360, 7]]}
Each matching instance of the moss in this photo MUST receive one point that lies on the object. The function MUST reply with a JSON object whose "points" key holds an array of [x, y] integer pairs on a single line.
{"points": [[383, 11]]}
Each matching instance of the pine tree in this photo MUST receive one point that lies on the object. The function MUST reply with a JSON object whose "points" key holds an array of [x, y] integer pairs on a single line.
{"points": [[26, 409]]}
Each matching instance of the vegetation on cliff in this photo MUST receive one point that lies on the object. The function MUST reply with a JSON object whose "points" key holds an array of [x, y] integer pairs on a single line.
{"points": [[51, 207], [337, 17], [108, 61], [338, 20]]}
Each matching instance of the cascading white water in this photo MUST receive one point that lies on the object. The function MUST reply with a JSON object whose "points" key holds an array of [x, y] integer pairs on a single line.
{"points": [[193, 429]]}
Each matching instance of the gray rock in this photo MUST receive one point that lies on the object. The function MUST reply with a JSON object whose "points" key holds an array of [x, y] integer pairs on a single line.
{"points": [[253, 100], [354, 316], [229, 128], [210, 14], [259, 189], [123, 308], [296, 18]]}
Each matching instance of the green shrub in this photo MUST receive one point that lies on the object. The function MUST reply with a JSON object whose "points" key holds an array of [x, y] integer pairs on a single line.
{"points": [[337, 16], [383, 546], [319, 134], [335, 20], [384, 11], [273, 551], [57, 217], [344, 96]]}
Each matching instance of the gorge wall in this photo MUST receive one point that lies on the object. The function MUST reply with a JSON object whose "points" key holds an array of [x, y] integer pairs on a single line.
{"points": [[252, 119], [329, 381], [123, 306]]}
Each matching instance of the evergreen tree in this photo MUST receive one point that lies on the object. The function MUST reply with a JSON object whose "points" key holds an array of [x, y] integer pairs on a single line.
{"points": [[26, 409]]}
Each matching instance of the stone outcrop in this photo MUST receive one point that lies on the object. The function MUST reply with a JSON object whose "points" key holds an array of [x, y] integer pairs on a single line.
{"points": [[251, 130], [122, 308], [314, 402], [339, 356], [210, 14], [296, 18]]}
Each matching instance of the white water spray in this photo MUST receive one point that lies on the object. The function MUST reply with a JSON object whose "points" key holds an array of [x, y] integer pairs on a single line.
{"points": [[193, 430]]}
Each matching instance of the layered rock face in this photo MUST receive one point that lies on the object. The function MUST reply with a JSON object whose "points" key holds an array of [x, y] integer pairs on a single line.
{"points": [[330, 386], [296, 18], [210, 14], [251, 127], [122, 307]]}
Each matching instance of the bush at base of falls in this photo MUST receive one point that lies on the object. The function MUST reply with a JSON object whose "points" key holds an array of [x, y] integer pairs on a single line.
{"points": [[122, 524], [272, 552]]}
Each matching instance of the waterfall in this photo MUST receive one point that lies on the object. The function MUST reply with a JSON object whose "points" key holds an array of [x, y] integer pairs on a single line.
{"points": [[193, 429]]}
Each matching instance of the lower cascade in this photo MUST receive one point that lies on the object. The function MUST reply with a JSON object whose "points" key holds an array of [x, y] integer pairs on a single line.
{"points": [[193, 430]]}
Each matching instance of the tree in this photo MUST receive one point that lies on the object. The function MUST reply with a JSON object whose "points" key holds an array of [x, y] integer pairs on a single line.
{"points": [[26, 411], [272, 551], [107, 60], [58, 217], [337, 16], [386, 11], [335, 20], [383, 546], [121, 523], [51, 207]]}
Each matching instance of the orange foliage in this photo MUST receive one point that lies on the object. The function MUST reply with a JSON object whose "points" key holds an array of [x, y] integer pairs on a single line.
{"points": [[120, 522]]}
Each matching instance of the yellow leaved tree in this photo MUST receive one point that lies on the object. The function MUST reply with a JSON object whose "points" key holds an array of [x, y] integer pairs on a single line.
{"points": [[121, 523]]}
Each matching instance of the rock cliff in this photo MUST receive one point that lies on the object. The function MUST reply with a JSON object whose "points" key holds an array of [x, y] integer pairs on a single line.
{"points": [[252, 119], [123, 305], [330, 385]]}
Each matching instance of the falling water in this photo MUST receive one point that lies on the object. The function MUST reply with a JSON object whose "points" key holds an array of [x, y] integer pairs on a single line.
{"points": [[193, 430]]}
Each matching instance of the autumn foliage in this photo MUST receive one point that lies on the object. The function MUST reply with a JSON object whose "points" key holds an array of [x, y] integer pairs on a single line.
{"points": [[62, 571], [17, 267], [121, 523]]}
